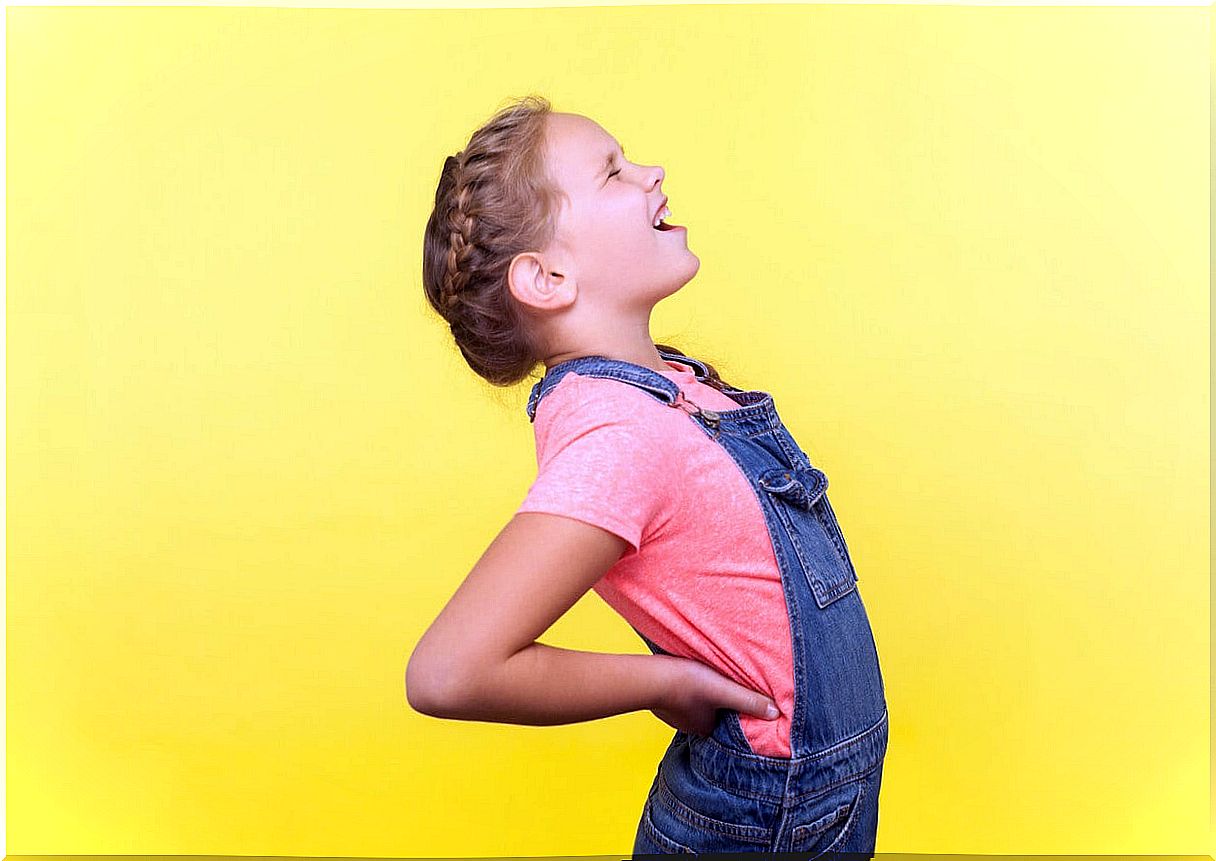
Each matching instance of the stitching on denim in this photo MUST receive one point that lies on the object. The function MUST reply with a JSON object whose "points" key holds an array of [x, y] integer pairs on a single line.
{"points": [[788, 511], [774, 488], [826, 523], [771, 798], [735, 728], [798, 670], [830, 592], [833, 528], [854, 815], [756, 409], [821, 754], [658, 837], [782, 435], [819, 790], [749, 833], [822, 824], [793, 799], [852, 820]]}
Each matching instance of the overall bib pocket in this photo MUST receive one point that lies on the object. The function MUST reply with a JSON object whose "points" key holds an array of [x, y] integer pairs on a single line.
{"points": [[800, 499]]}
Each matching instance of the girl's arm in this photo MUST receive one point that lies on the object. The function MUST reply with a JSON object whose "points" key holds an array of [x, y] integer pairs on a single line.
{"points": [[479, 660]]}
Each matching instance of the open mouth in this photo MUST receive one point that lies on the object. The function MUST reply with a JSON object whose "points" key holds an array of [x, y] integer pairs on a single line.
{"points": [[663, 214]]}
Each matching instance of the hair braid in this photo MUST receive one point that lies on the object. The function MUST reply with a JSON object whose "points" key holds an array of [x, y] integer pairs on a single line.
{"points": [[461, 242]]}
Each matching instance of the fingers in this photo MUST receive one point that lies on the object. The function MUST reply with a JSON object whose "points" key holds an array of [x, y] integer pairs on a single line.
{"points": [[758, 705]]}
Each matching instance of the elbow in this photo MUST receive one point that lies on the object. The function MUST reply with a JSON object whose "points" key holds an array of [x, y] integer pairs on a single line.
{"points": [[432, 687]]}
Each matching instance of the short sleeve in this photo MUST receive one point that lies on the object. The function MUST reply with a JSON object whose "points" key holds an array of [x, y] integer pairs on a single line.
{"points": [[599, 459]]}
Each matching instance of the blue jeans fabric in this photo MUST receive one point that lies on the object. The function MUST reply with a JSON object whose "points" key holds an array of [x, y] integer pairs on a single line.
{"points": [[714, 794]]}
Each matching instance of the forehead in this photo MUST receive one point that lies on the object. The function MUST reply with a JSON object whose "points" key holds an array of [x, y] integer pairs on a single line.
{"points": [[577, 146]]}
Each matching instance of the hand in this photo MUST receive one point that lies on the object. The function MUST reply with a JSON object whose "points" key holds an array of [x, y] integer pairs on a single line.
{"points": [[690, 703]]}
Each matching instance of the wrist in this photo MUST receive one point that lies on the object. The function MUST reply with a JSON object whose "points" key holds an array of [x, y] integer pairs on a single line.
{"points": [[671, 678]]}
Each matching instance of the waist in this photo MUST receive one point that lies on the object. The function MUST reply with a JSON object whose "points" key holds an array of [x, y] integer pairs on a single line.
{"points": [[791, 779]]}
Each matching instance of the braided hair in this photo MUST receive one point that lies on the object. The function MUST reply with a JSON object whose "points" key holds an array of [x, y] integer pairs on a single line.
{"points": [[494, 200]]}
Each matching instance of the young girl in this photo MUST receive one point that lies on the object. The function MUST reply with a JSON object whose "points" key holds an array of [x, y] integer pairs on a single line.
{"points": [[683, 501]]}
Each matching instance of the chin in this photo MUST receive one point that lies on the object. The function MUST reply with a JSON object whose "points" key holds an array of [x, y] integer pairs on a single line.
{"points": [[694, 266]]}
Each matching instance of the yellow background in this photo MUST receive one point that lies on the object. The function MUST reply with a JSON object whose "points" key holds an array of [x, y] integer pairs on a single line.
{"points": [[965, 248]]}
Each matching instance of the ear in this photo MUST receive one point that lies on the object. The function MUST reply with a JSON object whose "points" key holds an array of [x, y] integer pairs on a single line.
{"points": [[534, 281]]}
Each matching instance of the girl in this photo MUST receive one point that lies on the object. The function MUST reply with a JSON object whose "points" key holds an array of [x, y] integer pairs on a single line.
{"points": [[683, 501]]}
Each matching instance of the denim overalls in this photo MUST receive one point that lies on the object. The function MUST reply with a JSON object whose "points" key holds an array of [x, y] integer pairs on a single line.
{"points": [[713, 794]]}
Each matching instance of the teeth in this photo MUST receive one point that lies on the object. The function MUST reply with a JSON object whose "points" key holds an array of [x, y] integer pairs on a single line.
{"points": [[665, 212]]}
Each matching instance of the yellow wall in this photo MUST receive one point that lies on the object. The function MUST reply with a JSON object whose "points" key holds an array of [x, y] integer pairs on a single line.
{"points": [[965, 248]]}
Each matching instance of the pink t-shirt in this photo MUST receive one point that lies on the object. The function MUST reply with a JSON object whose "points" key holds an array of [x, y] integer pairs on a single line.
{"points": [[699, 578]]}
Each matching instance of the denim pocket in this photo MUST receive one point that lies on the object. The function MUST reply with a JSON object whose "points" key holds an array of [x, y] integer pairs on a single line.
{"points": [[698, 817], [833, 527], [828, 822], [650, 837], [800, 499]]}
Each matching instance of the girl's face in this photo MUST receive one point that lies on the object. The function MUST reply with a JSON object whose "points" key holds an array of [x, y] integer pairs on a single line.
{"points": [[606, 243]]}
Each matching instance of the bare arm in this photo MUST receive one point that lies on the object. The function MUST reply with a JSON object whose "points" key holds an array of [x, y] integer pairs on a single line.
{"points": [[543, 685], [479, 660]]}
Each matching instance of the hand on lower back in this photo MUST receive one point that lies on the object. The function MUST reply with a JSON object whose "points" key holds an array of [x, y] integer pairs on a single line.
{"points": [[698, 691]]}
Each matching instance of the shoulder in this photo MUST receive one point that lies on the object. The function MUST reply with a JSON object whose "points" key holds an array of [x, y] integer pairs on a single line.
{"points": [[601, 413], [578, 398]]}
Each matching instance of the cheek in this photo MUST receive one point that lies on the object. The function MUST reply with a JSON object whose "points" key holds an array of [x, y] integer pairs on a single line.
{"points": [[628, 211]]}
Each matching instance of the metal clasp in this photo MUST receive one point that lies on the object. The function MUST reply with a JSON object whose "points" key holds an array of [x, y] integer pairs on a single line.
{"points": [[710, 417]]}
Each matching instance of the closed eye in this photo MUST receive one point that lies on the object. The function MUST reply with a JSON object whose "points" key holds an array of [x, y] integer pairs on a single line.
{"points": [[614, 173]]}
